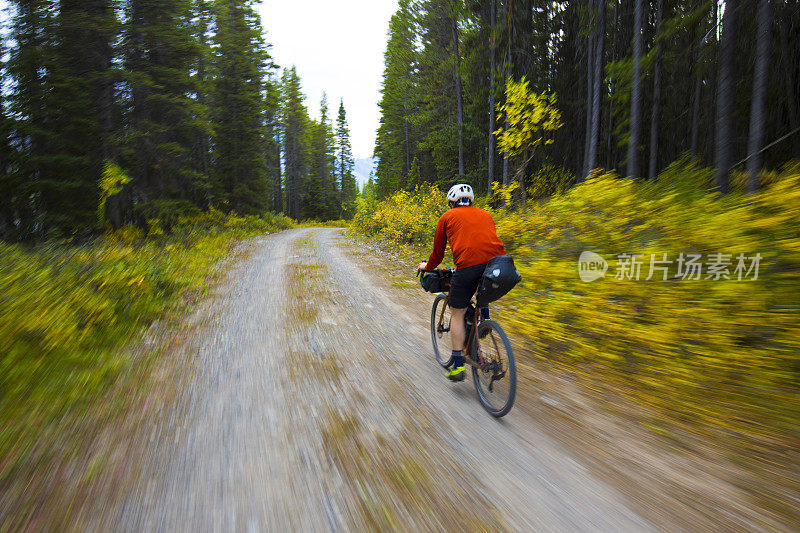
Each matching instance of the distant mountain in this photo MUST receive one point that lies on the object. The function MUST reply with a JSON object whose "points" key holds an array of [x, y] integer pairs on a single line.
{"points": [[362, 169]]}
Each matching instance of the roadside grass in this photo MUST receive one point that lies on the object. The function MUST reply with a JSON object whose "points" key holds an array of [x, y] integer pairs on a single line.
{"points": [[706, 364], [323, 224], [69, 312], [308, 292]]}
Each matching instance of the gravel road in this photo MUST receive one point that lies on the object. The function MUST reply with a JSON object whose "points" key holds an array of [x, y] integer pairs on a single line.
{"points": [[313, 402]]}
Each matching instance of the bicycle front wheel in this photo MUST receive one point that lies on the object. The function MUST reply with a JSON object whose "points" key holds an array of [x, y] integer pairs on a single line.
{"points": [[496, 377], [440, 330]]}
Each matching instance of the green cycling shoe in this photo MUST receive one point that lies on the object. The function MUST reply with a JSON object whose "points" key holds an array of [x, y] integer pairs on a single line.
{"points": [[456, 374]]}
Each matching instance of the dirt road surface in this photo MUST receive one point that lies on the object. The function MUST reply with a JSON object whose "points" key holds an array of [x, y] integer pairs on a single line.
{"points": [[313, 402]]}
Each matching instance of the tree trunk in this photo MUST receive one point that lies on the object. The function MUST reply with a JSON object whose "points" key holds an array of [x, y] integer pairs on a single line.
{"points": [[405, 120], [491, 97], [698, 85], [656, 97], [458, 96], [589, 101], [790, 85], [505, 169], [597, 83], [277, 195], [636, 97], [295, 178], [759, 90], [341, 179], [203, 81], [509, 72], [725, 88], [610, 163], [711, 76]]}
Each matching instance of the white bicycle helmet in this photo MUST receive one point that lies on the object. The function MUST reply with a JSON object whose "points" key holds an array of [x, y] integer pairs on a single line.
{"points": [[461, 194]]}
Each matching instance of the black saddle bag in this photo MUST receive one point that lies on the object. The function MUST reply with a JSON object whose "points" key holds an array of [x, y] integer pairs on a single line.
{"points": [[499, 277]]}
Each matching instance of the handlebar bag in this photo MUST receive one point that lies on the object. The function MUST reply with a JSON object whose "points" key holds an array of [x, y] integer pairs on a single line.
{"points": [[436, 280], [499, 277]]}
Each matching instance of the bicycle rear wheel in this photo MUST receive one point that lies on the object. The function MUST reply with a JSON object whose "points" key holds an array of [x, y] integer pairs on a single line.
{"points": [[495, 379], [440, 330]]}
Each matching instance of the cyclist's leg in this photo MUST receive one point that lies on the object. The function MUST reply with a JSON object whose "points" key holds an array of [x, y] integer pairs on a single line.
{"points": [[457, 332], [463, 285]]}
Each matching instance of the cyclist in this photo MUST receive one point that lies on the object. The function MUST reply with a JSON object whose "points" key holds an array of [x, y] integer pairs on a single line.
{"points": [[473, 240]]}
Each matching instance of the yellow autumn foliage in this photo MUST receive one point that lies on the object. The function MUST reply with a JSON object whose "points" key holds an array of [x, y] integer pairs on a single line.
{"points": [[708, 353], [405, 217], [528, 117], [68, 310]]}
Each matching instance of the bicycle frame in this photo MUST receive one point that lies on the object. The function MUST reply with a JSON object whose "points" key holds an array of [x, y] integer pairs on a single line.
{"points": [[487, 349], [472, 351]]}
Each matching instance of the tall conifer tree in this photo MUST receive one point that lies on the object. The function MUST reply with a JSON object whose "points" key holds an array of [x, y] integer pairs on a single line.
{"points": [[239, 174], [35, 192], [162, 116], [272, 142], [8, 182], [394, 145], [345, 164], [82, 109], [324, 189], [294, 126]]}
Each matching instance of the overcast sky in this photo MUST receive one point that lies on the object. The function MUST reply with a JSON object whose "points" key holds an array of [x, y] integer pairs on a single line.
{"points": [[337, 47]]}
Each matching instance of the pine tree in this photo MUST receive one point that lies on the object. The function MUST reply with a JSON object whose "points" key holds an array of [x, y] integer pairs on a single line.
{"points": [[272, 142], [34, 191], [9, 187], [394, 145], [328, 164], [294, 126], [239, 173], [368, 193], [62, 95], [162, 114], [82, 102], [436, 111], [345, 164], [204, 25], [321, 200]]}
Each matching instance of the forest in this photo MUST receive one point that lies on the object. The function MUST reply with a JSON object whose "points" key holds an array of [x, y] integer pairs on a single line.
{"points": [[637, 84], [115, 112], [148, 149], [123, 112]]}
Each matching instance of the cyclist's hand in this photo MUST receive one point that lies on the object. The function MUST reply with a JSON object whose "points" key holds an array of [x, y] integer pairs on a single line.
{"points": [[423, 267]]}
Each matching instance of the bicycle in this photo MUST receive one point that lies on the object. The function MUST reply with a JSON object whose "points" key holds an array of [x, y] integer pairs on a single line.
{"points": [[488, 351]]}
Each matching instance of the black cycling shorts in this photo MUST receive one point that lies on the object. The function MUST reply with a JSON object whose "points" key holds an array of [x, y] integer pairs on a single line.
{"points": [[464, 284]]}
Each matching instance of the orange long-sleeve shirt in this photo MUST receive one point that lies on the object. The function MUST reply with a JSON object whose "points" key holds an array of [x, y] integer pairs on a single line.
{"points": [[471, 234]]}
